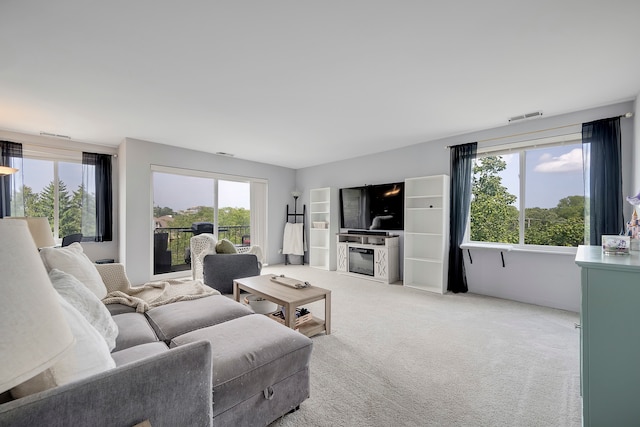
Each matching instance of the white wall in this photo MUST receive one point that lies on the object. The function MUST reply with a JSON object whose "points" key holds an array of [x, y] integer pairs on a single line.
{"points": [[136, 205], [551, 280], [636, 146]]}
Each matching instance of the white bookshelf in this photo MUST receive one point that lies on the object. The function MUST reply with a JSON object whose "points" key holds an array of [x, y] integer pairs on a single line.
{"points": [[323, 209], [426, 233]]}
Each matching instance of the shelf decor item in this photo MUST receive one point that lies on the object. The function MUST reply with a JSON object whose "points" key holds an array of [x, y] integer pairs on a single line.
{"points": [[302, 316], [633, 231], [260, 305], [615, 245]]}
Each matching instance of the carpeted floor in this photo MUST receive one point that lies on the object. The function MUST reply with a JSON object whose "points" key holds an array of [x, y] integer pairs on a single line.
{"points": [[403, 357]]}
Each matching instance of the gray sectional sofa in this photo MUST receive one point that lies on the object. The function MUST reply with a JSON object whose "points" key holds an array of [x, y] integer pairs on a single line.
{"points": [[207, 361]]}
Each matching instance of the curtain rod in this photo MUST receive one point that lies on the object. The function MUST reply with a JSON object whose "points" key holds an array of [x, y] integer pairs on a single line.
{"points": [[102, 150], [622, 116]]}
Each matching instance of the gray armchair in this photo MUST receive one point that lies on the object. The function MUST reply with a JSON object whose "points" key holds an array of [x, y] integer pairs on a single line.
{"points": [[220, 270]]}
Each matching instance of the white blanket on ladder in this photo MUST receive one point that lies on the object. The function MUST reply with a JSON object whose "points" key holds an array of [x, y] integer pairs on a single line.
{"points": [[292, 242]]}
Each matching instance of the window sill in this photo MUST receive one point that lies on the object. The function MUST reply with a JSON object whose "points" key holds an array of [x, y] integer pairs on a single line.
{"points": [[548, 251], [491, 246], [517, 248]]}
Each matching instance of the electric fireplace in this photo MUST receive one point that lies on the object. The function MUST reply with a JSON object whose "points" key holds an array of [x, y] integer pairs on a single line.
{"points": [[361, 261]]}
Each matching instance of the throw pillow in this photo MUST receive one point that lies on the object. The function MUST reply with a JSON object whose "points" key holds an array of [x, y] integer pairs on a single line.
{"points": [[85, 301], [72, 260], [88, 356], [225, 246]]}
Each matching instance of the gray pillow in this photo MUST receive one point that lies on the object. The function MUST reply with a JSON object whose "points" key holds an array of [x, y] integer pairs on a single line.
{"points": [[85, 301]]}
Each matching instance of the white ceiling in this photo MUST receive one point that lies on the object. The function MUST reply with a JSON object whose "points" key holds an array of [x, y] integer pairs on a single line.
{"points": [[300, 82]]}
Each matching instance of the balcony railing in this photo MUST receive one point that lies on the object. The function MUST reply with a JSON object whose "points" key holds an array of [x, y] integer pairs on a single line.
{"points": [[171, 244]]}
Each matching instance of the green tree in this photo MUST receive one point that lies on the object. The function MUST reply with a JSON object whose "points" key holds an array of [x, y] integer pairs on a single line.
{"points": [[70, 211], [158, 211], [43, 205], [69, 206], [84, 208], [559, 226], [234, 216], [494, 218], [198, 214], [29, 198], [570, 207]]}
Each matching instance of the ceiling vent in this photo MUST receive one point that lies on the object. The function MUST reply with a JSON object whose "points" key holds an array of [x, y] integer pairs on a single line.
{"points": [[525, 116], [222, 153], [55, 135]]}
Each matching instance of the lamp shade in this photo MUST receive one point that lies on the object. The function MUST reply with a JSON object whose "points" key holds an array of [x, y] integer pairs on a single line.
{"points": [[41, 231], [7, 170], [35, 333]]}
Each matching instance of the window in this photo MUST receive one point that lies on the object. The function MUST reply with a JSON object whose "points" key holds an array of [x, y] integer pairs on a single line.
{"points": [[186, 203], [70, 187], [531, 194], [53, 189]]}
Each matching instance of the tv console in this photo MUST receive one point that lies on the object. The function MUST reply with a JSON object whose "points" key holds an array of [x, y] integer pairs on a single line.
{"points": [[368, 256]]}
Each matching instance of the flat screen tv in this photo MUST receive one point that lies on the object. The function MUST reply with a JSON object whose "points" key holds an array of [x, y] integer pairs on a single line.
{"points": [[372, 207]]}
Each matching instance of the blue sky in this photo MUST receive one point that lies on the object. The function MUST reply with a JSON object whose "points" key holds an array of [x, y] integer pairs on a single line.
{"points": [[552, 174], [181, 192], [39, 173]]}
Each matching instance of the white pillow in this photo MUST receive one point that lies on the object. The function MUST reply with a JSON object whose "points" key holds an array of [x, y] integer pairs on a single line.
{"points": [[88, 356], [83, 300], [72, 260]]}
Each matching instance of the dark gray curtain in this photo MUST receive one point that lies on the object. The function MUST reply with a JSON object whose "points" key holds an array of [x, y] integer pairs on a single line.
{"points": [[100, 164], [462, 157], [602, 156], [10, 155]]}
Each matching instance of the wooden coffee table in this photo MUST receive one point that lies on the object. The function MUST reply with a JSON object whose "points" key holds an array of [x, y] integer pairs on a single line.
{"points": [[290, 298]]}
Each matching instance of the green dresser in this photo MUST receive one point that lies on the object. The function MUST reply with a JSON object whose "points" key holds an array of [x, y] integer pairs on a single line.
{"points": [[610, 337]]}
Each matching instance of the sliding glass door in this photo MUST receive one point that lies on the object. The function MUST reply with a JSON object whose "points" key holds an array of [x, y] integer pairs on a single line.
{"points": [[234, 212], [188, 203]]}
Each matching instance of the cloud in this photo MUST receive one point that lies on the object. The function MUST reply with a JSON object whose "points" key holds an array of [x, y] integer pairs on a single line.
{"points": [[568, 162], [511, 159]]}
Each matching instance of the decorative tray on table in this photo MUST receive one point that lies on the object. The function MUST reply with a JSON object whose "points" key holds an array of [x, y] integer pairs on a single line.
{"points": [[288, 281]]}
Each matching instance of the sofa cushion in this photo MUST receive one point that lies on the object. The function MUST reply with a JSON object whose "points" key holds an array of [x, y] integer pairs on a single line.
{"points": [[250, 354], [171, 320], [133, 330], [88, 356], [133, 354], [119, 309], [72, 260], [85, 301]]}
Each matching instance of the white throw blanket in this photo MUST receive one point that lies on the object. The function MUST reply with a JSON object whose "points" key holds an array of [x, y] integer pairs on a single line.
{"points": [[154, 294], [292, 242]]}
